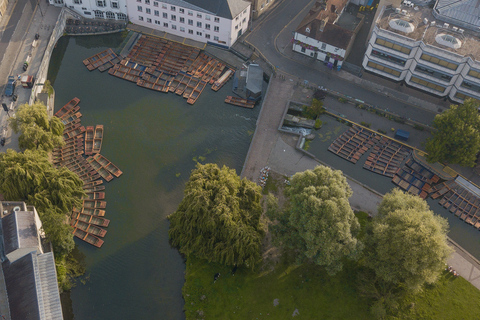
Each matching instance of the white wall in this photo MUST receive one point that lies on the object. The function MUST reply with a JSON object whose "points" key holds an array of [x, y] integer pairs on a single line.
{"points": [[84, 7], [318, 46]]}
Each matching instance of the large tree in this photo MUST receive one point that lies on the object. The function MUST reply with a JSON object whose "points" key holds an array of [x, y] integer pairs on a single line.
{"points": [[38, 130], [219, 217], [456, 139], [317, 221], [406, 244]]}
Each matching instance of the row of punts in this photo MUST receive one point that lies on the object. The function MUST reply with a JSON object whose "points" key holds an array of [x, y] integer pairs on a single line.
{"points": [[103, 60], [460, 202], [81, 155], [386, 157], [353, 143]]}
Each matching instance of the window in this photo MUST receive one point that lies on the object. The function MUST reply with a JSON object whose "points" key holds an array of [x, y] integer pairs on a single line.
{"points": [[190, 13], [157, 22], [147, 1], [77, 1], [471, 86], [302, 50], [207, 26], [207, 17], [182, 29], [236, 18], [121, 16], [110, 15], [199, 24], [88, 13], [387, 57], [181, 10], [474, 73], [324, 46], [245, 11], [199, 33], [114, 4], [98, 14], [190, 22], [84, 8], [215, 38], [382, 68], [164, 6], [100, 3], [427, 84], [440, 62], [207, 36], [156, 12], [216, 19], [236, 27], [244, 20], [165, 15], [174, 27], [199, 15], [433, 73], [190, 31], [140, 18], [182, 20], [165, 25], [172, 8], [393, 46], [155, 3], [148, 11], [149, 20], [139, 8], [216, 29], [173, 17], [139, 1]]}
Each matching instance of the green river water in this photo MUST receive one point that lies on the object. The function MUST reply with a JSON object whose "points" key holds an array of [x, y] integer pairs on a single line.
{"points": [[154, 138]]}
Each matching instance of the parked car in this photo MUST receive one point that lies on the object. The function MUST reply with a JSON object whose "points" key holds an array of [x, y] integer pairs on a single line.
{"points": [[10, 88]]}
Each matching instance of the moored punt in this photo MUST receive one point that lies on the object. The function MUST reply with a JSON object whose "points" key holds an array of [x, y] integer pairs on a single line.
{"points": [[222, 80], [87, 227], [97, 139], [176, 81], [93, 189], [66, 120], [74, 133], [98, 221], [240, 102], [65, 113], [95, 196], [196, 92], [97, 204], [183, 84], [89, 140], [70, 105], [108, 165], [91, 211], [87, 237], [100, 169], [92, 184], [190, 87]]}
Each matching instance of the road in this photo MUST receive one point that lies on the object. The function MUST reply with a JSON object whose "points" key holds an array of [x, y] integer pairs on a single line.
{"points": [[272, 38]]}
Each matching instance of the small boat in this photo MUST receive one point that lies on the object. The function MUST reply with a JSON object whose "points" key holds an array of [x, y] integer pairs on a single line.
{"points": [[68, 119], [95, 196], [102, 222], [94, 189], [87, 237], [174, 84], [100, 169], [190, 87], [108, 165], [74, 133], [69, 106], [196, 92], [97, 138], [91, 211], [240, 102], [183, 84], [222, 80], [97, 204], [89, 140], [90, 228], [92, 184]]}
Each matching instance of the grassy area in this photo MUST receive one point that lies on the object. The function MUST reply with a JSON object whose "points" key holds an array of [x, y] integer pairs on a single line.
{"points": [[308, 289]]}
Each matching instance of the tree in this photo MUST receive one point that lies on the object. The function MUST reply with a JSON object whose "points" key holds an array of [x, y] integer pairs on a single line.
{"points": [[38, 130], [317, 222], [314, 110], [219, 217], [406, 244], [457, 136], [57, 230]]}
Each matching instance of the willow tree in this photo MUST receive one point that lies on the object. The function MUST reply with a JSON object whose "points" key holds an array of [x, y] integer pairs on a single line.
{"points": [[456, 139], [317, 222], [37, 129], [219, 217]]}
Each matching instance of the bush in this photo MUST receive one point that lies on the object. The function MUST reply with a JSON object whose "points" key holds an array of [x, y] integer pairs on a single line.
{"points": [[418, 127], [318, 124], [363, 123], [314, 110], [382, 131], [342, 100]]}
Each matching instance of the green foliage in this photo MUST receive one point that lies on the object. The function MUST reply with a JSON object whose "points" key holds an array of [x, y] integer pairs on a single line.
{"points": [[365, 124], [219, 217], [456, 139], [38, 130], [318, 222], [68, 268], [314, 110], [318, 124], [342, 100], [406, 244], [48, 88], [418, 127]]}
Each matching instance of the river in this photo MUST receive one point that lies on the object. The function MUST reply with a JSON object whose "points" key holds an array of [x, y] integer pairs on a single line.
{"points": [[154, 138]]}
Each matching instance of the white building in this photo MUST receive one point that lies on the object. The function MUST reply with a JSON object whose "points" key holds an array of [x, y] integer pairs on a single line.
{"points": [[218, 22], [96, 9], [326, 34], [409, 44]]}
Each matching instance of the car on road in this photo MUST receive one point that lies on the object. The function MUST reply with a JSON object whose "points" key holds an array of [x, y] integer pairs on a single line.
{"points": [[10, 88]]}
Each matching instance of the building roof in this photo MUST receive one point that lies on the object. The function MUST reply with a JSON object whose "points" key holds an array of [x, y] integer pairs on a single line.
{"points": [[466, 11], [254, 78], [19, 231], [228, 9], [32, 287]]}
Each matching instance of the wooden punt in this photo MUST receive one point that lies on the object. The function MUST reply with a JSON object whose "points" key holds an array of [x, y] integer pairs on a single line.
{"points": [[74, 133], [95, 196], [183, 84], [89, 140], [90, 228], [100, 169], [97, 204], [196, 92], [240, 102], [66, 120], [94, 189], [92, 184], [87, 237], [218, 71], [91, 211], [192, 84], [222, 80], [97, 139], [98, 221], [70, 105], [176, 82], [108, 165]]}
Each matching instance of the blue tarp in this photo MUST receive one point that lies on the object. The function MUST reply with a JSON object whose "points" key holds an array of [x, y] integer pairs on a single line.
{"points": [[369, 4], [402, 135]]}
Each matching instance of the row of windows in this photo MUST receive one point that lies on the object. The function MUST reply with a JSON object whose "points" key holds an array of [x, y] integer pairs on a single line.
{"points": [[393, 45], [428, 84], [174, 18], [182, 10], [440, 62], [433, 73], [471, 86], [377, 66], [474, 73], [108, 14], [174, 27], [462, 96], [387, 57]]}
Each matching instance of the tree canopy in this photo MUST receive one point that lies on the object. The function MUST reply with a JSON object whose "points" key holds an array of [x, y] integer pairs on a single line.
{"points": [[406, 244], [457, 136], [38, 130], [219, 217], [317, 222]]}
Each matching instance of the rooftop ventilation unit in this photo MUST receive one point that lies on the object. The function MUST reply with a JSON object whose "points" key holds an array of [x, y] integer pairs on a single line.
{"points": [[461, 30], [433, 23], [404, 12], [454, 28], [446, 25], [397, 10], [425, 21]]}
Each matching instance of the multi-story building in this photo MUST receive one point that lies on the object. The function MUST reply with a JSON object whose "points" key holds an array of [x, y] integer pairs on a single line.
{"points": [[327, 32], [218, 22], [259, 7], [96, 9], [409, 43]]}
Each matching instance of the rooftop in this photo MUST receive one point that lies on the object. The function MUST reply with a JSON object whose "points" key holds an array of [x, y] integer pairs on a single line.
{"points": [[418, 23], [222, 8], [465, 11]]}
